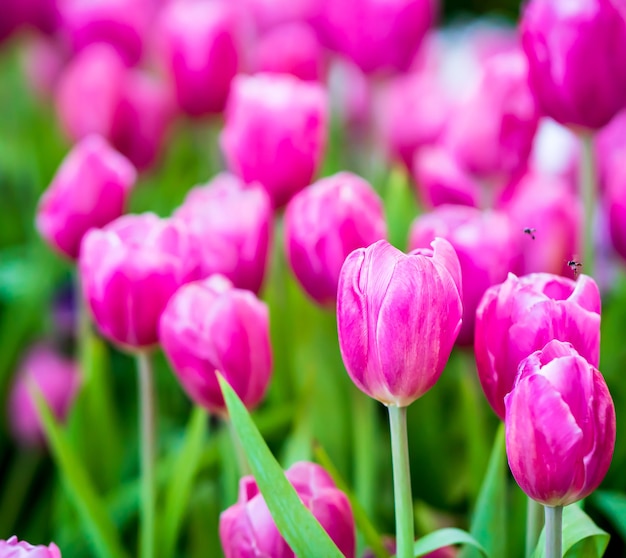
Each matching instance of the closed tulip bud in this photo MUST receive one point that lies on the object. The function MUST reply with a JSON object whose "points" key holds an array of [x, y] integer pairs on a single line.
{"points": [[560, 426], [577, 59], [487, 244], [129, 270], [89, 190], [230, 223], [208, 327], [398, 317], [275, 132], [323, 224], [247, 529], [12, 548], [521, 315]]}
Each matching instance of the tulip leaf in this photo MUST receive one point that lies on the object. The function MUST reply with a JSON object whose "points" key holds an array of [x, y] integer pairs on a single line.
{"points": [[445, 537], [297, 525], [101, 532], [613, 506]]}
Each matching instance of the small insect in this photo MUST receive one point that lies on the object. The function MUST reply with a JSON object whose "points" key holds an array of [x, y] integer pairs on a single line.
{"points": [[530, 232], [574, 265]]}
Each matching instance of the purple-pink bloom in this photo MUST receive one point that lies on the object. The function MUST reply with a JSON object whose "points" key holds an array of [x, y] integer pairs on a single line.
{"points": [[12, 548], [615, 199], [560, 426]]}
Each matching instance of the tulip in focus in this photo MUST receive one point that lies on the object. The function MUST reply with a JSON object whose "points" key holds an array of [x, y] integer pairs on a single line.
{"points": [[560, 426], [12, 548], [275, 132], [323, 224], [521, 315], [90, 189], [129, 270], [58, 380], [398, 317], [209, 326], [247, 529]]}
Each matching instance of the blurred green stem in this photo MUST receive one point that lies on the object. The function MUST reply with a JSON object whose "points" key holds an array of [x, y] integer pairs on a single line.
{"points": [[365, 461], [18, 480], [554, 531], [148, 446], [240, 454], [588, 190], [402, 494], [534, 524]]}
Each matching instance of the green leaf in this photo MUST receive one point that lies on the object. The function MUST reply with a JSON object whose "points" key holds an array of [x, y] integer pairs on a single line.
{"points": [[303, 533], [443, 538], [100, 530], [613, 506]]}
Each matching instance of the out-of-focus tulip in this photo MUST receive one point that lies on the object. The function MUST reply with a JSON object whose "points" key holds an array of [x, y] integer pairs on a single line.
{"points": [[615, 195], [129, 270], [350, 96], [560, 426], [43, 60], [12, 548], [230, 223], [40, 14], [58, 380], [487, 244], [556, 151], [398, 317], [248, 530], [198, 46], [521, 315], [610, 142], [577, 59], [89, 190], [209, 326], [267, 14], [275, 132]]}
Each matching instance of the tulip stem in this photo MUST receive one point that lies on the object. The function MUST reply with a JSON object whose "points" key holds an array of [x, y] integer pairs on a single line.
{"points": [[588, 190], [554, 528], [148, 452], [534, 524], [401, 482]]}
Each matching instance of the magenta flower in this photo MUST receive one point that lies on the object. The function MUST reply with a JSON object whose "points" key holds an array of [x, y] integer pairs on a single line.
{"points": [[275, 132], [208, 327], [577, 59], [560, 426], [129, 270], [398, 317], [89, 190], [12, 548], [324, 223], [247, 529], [521, 315], [615, 196]]}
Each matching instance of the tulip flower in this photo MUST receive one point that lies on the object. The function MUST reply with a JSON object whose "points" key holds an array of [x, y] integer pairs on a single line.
{"points": [[324, 223], [129, 270], [230, 224], [248, 530], [16, 14], [521, 315], [90, 189], [615, 196], [577, 59], [560, 426], [12, 548], [275, 132], [42, 61], [209, 326]]}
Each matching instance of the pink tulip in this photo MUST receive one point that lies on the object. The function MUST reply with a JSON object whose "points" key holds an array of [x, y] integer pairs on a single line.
{"points": [[230, 223], [398, 317], [129, 270], [17, 14], [610, 143], [521, 315], [267, 14], [209, 326], [57, 379], [12, 548], [577, 59], [43, 61], [90, 189], [323, 224], [615, 195], [560, 426], [487, 244], [275, 132], [247, 529]]}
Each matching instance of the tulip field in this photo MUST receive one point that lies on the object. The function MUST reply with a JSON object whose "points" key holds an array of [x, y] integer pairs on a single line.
{"points": [[312, 279]]}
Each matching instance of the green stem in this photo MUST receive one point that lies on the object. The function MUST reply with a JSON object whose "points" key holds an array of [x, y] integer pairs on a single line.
{"points": [[148, 452], [401, 482], [554, 531], [240, 454], [364, 436], [534, 524], [588, 191], [19, 479]]}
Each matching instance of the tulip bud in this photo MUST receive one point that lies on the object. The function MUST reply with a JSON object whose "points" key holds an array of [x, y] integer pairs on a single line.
{"points": [[230, 225], [12, 548], [208, 327], [89, 190], [129, 270], [275, 132], [58, 380], [323, 224], [521, 315], [486, 243], [398, 317], [560, 426], [577, 59], [248, 530]]}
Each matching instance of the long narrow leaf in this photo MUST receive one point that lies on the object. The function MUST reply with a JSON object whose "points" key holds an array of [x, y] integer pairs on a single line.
{"points": [[446, 537]]}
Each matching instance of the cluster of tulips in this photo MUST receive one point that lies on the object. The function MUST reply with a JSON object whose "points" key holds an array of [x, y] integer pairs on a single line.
{"points": [[516, 143]]}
